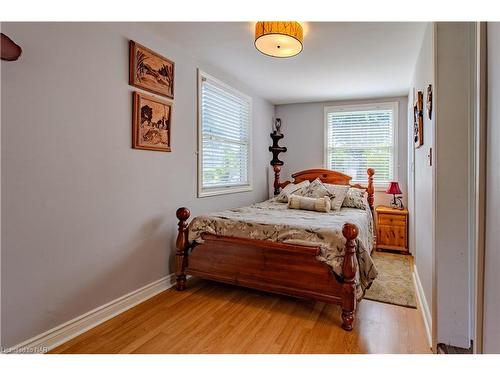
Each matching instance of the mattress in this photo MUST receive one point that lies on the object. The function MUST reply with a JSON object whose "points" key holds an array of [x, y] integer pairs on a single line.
{"points": [[274, 221]]}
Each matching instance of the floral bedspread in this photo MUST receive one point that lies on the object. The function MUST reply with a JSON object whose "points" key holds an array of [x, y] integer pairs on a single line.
{"points": [[274, 221]]}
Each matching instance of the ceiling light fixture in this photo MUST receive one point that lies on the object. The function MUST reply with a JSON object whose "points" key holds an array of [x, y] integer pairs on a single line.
{"points": [[279, 39]]}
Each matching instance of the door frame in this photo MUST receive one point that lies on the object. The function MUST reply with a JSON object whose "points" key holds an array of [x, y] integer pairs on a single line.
{"points": [[480, 112]]}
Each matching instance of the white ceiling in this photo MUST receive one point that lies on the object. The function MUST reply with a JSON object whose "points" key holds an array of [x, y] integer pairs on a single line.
{"points": [[339, 61]]}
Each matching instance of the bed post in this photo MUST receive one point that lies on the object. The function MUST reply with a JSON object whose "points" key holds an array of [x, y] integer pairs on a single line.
{"points": [[350, 232], [277, 170], [182, 245], [370, 189]]}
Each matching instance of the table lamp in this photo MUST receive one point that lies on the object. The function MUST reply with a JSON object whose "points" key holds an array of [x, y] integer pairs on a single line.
{"points": [[397, 202]]}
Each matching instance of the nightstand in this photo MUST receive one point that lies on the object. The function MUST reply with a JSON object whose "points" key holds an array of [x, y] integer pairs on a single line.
{"points": [[392, 229]]}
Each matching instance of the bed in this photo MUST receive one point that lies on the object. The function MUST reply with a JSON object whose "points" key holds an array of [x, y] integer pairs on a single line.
{"points": [[266, 246]]}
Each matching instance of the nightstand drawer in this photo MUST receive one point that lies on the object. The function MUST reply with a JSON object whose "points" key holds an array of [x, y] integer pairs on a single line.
{"points": [[397, 220], [391, 236]]}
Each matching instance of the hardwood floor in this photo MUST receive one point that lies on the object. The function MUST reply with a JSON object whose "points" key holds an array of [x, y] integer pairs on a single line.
{"points": [[214, 318]]}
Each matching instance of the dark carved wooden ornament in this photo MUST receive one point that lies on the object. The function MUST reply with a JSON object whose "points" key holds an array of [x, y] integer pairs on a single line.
{"points": [[276, 149], [10, 51]]}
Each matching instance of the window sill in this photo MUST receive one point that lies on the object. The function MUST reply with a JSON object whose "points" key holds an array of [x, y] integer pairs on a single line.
{"points": [[222, 191]]}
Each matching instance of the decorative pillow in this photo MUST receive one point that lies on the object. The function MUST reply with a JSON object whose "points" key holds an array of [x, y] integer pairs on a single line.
{"points": [[307, 203], [290, 189], [355, 198], [338, 194], [316, 190]]}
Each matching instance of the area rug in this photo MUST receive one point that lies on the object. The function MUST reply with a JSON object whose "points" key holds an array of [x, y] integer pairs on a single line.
{"points": [[394, 283]]}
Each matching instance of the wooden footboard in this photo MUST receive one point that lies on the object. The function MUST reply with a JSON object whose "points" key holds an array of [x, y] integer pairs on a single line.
{"points": [[269, 266]]}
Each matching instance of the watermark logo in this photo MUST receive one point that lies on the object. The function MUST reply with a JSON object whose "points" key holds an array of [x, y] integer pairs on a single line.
{"points": [[25, 350]]}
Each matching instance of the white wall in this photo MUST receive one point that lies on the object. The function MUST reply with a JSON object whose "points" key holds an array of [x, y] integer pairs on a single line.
{"points": [[85, 218], [441, 207], [491, 335], [303, 125], [421, 204], [453, 155]]}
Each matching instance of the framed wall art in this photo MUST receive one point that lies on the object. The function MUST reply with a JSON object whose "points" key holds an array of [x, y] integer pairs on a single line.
{"points": [[429, 101], [418, 120], [151, 120], [150, 71]]}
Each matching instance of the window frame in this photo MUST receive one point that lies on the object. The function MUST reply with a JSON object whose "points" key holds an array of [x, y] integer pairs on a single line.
{"points": [[394, 106], [209, 192]]}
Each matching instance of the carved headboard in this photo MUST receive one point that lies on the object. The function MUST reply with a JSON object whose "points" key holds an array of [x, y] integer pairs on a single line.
{"points": [[333, 177]]}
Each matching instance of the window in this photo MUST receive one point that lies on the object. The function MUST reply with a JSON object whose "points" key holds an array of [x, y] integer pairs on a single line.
{"points": [[224, 132], [360, 137]]}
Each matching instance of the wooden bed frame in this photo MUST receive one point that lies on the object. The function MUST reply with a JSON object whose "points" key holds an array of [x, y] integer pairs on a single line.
{"points": [[272, 266]]}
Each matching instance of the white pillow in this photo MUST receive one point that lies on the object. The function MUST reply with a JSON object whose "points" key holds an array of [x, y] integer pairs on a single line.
{"points": [[290, 189], [338, 194], [312, 204]]}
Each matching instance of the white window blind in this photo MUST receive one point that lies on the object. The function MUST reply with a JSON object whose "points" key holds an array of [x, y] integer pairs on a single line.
{"points": [[361, 137], [224, 144]]}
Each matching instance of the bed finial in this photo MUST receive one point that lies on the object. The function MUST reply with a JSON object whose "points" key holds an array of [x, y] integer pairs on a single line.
{"points": [[182, 245], [183, 213], [370, 189], [350, 232]]}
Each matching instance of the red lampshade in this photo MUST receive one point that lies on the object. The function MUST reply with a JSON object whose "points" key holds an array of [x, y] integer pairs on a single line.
{"points": [[393, 188]]}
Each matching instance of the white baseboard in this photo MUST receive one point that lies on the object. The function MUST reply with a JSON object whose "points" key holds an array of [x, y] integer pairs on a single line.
{"points": [[426, 313], [66, 331]]}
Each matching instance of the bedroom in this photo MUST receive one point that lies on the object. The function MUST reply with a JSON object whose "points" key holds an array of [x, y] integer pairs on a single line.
{"points": [[121, 140]]}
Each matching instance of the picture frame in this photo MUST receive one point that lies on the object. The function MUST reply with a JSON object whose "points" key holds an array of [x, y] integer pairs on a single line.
{"points": [[429, 102], [150, 71], [151, 123], [418, 120]]}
